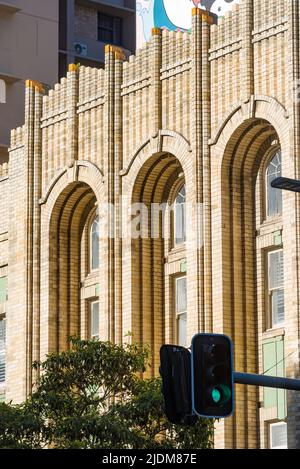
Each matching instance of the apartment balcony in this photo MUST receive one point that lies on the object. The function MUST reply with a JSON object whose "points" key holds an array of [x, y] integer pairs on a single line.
{"points": [[94, 50], [8, 77], [126, 5]]}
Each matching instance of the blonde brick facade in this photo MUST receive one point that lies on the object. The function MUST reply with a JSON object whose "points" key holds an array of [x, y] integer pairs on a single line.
{"points": [[204, 108]]}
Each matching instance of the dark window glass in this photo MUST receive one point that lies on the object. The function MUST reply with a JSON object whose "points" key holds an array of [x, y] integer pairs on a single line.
{"points": [[63, 68], [109, 29], [63, 24]]}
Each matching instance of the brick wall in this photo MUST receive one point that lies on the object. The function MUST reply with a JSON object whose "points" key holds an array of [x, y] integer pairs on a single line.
{"points": [[204, 107], [86, 22]]}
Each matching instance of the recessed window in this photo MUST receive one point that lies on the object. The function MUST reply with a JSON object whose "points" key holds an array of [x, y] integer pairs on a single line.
{"points": [[276, 287], [274, 196], [278, 436], [181, 311], [94, 320], [109, 29], [180, 217], [2, 350], [94, 244]]}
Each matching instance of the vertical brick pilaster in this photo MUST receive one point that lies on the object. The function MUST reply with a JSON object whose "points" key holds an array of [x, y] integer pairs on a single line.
{"points": [[206, 131], [156, 88], [36, 236], [72, 124], [196, 320], [118, 153], [113, 152], [247, 56], [23, 307]]}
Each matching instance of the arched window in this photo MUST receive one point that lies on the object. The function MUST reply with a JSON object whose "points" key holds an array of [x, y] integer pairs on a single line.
{"points": [[274, 196], [94, 244], [180, 217]]}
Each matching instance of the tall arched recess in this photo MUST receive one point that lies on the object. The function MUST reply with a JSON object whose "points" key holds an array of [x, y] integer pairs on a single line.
{"points": [[152, 302], [67, 222], [240, 207]]}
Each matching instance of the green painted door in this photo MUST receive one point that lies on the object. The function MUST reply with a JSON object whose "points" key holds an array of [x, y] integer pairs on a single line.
{"points": [[274, 365], [3, 290]]}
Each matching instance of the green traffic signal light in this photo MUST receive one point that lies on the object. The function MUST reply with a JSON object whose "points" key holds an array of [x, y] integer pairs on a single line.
{"points": [[216, 395], [221, 394], [212, 375]]}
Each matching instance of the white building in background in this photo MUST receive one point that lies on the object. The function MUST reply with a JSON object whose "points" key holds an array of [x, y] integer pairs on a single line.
{"points": [[172, 14]]}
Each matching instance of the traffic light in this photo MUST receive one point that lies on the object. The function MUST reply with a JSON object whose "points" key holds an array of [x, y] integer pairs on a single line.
{"points": [[212, 376], [175, 370]]}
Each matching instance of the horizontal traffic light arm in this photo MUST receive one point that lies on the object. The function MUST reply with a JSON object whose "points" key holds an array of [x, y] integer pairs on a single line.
{"points": [[266, 381], [286, 184]]}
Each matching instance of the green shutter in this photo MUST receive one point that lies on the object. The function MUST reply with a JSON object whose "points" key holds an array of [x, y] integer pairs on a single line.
{"points": [[269, 352], [273, 355], [3, 290], [281, 393]]}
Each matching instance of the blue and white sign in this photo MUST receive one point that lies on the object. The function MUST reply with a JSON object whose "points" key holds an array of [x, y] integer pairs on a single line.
{"points": [[172, 14]]}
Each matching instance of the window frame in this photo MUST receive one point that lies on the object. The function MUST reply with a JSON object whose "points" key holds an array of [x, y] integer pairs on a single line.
{"points": [[90, 243], [174, 233], [112, 30], [270, 316], [271, 155], [178, 314], [276, 424], [91, 303]]}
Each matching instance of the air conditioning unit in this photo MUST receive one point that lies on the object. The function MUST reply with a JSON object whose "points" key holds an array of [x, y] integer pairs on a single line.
{"points": [[80, 49]]}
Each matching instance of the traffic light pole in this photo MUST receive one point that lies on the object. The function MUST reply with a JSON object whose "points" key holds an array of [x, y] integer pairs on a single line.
{"points": [[267, 381]]}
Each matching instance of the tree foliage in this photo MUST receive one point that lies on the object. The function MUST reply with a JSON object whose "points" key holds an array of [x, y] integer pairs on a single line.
{"points": [[92, 396]]}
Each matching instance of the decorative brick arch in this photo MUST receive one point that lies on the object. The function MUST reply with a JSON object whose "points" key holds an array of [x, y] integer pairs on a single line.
{"points": [[65, 207], [257, 107], [81, 171], [165, 141]]}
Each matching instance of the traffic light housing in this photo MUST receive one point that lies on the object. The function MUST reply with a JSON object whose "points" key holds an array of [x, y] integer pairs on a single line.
{"points": [[175, 370], [212, 376]]}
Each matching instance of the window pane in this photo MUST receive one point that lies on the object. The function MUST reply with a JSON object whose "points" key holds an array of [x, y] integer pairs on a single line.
{"points": [[276, 284], [276, 269], [105, 21], [106, 36], [181, 314], [2, 349], [95, 320], [181, 299], [180, 217], [95, 244], [279, 436], [109, 29], [278, 307], [181, 330], [274, 196]]}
